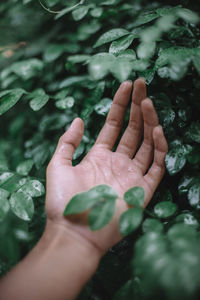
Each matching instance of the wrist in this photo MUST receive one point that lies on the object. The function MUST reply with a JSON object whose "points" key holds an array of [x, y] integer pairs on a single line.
{"points": [[64, 239]]}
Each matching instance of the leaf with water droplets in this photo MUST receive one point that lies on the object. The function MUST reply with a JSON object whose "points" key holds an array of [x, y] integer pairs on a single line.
{"points": [[22, 206], [33, 188]]}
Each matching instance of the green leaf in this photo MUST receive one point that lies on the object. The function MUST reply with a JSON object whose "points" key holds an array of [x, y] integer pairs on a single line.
{"points": [[83, 201], [110, 36], [130, 220], [9, 98], [79, 151], [22, 206], [103, 107], [145, 18], [150, 225], [101, 214], [135, 196], [194, 195], [194, 131], [63, 104], [52, 52], [187, 219], [4, 193], [68, 9], [37, 103], [100, 65], [121, 44], [4, 207], [80, 203], [5, 176], [80, 12], [188, 15], [121, 68], [175, 160], [33, 188], [28, 68], [79, 58], [165, 209], [96, 12], [25, 167]]}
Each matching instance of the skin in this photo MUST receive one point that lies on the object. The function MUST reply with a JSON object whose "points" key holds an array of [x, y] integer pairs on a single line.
{"points": [[68, 253]]}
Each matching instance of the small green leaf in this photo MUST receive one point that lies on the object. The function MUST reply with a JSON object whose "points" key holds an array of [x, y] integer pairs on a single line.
{"points": [[100, 65], [110, 36], [188, 15], [33, 188], [121, 44], [145, 18], [4, 207], [25, 167], [121, 68], [96, 12], [80, 12], [103, 107], [194, 195], [130, 220], [150, 225], [5, 176], [28, 68], [65, 103], [135, 196], [9, 98], [52, 52], [4, 193], [38, 102], [22, 206], [194, 131], [83, 201], [175, 160], [165, 209], [78, 58], [101, 214]]}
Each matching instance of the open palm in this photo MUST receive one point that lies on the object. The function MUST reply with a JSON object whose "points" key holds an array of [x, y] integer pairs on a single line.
{"points": [[128, 166]]}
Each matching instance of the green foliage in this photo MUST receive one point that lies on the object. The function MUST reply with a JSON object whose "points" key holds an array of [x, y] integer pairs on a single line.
{"points": [[50, 73]]}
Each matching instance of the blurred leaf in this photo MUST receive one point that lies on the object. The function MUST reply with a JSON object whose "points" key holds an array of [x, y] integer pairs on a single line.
{"points": [[101, 213], [130, 220], [25, 167], [194, 195], [135, 196], [165, 209], [152, 225], [4, 207]]}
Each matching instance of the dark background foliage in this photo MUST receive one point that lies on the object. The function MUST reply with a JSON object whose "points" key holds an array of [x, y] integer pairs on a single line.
{"points": [[52, 72]]}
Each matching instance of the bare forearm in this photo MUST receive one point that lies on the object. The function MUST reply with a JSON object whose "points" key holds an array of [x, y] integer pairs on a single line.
{"points": [[57, 268]]}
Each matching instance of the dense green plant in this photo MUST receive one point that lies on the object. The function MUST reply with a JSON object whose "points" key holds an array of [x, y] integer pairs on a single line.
{"points": [[59, 61]]}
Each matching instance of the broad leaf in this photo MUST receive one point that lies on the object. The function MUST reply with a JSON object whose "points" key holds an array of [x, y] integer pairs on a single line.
{"points": [[9, 98], [4, 207], [110, 36], [33, 188], [121, 44], [22, 206], [130, 220], [37, 103], [165, 209], [101, 214], [135, 196], [25, 167]]}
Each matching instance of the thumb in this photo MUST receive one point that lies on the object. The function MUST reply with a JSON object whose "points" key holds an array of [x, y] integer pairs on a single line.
{"points": [[69, 141]]}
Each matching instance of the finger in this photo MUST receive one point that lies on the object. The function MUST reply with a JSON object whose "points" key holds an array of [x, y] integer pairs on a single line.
{"points": [[132, 135], [144, 155], [157, 170], [111, 129], [69, 141]]}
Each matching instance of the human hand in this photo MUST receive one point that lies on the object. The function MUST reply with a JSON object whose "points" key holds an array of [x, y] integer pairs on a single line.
{"points": [[127, 167]]}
